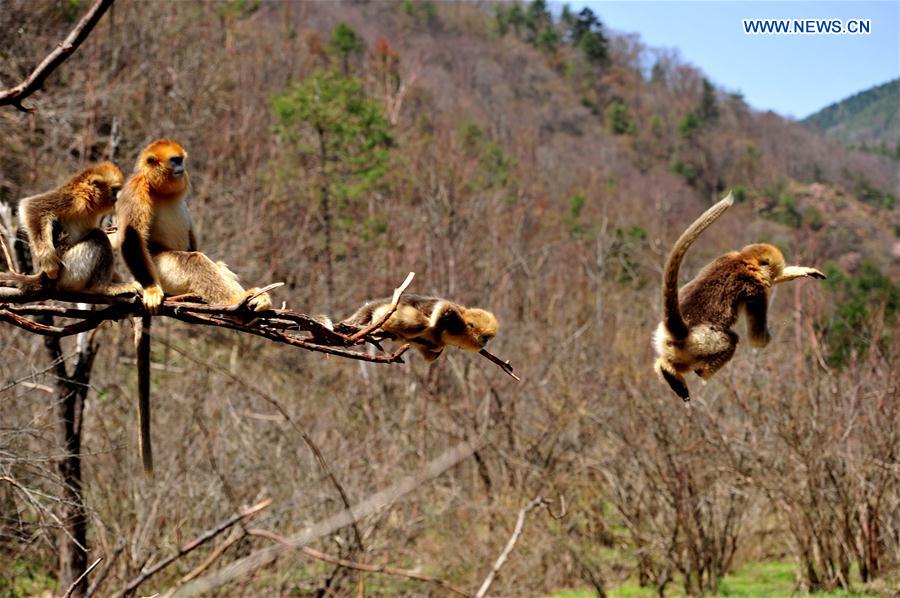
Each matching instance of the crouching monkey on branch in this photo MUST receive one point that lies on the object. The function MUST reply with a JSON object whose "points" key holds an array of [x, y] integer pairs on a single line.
{"points": [[429, 323], [157, 242], [695, 334], [69, 250]]}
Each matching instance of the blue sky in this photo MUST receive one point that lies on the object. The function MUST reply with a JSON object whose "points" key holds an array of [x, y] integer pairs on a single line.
{"points": [[794, 75]]}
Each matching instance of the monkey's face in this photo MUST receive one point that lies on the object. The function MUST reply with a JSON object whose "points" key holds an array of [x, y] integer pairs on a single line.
{"points": [[481, 327], [162, 163], [767, 259]]}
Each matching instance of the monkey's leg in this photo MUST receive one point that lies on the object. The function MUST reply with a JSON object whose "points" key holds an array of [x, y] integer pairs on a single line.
{"points": [[714, 363], [428, 353], [193, 272], [674, 379], [87, 265]]}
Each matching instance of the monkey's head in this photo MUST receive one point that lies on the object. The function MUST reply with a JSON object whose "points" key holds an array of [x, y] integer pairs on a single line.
{"points": [[106, 179], [481, 327], [162, 164], [765, 259]]}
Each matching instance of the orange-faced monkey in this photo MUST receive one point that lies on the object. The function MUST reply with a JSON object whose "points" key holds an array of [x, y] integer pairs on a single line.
{"points": [[429, 323], [695, 334]]}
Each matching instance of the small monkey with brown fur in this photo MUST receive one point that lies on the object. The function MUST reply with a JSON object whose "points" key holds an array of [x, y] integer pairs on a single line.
{"points": [[429, 323], [69, 250], [157, 240], [695, 334]]}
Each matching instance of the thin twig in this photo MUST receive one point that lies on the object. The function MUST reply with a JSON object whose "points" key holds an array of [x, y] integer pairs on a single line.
{"points": [[192, 545], [386, 569], [33, 82], [510, 544], [7, 256], [80, 577], [106, 570], [367, 507], [504, 364], [235, 536], [395, 300]]}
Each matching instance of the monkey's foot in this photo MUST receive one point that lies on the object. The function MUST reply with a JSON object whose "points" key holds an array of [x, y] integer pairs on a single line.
{"points": [[261, 302], [121, 288], [153, 296], [50, 267]]}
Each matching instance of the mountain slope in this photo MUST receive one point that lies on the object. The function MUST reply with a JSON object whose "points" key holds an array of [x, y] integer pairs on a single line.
{"points": [[869, 117]]}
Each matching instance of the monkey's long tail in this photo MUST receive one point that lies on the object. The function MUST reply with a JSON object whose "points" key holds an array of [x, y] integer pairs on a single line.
{"points": [[671, 312], [142, 346]]}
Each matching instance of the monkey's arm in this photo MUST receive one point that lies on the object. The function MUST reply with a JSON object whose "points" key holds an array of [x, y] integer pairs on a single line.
{"points": [[792, 272], [192, 240], [39, 225], [757, 330], [451, 321], [135, 231]]}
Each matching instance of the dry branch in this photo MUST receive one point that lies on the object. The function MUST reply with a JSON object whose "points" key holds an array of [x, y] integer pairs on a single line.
{"points": [[75, 583], [386, 569], [510, 544], [395, 300], [367, 507], [33, 82], [504, 364], [193, 545], [277, 325]]}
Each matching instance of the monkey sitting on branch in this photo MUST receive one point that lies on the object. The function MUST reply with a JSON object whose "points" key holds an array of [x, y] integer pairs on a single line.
{"points": [[70, 250], [695, 334], [157, 240]]}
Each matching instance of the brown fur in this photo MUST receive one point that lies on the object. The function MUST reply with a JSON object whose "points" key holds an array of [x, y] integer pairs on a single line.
{"points": [[157, 239], [696, 333], [430, 323], [69, 250]]}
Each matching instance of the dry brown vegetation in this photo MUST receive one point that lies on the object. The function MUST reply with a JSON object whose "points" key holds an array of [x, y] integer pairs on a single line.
{"points": [[507, 182]]}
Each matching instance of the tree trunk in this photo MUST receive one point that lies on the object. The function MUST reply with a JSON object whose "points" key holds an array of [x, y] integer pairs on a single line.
{"points": [[71, 391]]}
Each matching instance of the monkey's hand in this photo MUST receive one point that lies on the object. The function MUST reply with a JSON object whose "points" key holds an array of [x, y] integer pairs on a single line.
{"points": [[792, 272], [49, 265], [153, 296], [761, 340], [816, 274]]}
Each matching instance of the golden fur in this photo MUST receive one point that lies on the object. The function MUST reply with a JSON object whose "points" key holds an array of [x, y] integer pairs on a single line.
{"points": [[696, 332], [430, 323], [69, 250], [157, 240]]}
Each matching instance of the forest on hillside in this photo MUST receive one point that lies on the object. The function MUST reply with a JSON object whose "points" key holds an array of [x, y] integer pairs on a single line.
{"points": [[526, 162]]}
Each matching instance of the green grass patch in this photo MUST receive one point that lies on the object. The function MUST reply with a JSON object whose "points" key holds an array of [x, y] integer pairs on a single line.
{"points": [[768, 578]]}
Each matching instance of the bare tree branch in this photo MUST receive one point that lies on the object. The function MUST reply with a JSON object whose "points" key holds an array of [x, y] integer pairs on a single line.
{"points": [[33, 82], [386, 569], [192, 545], [395, 300], [80, 577], [278, 325], [367, 507], [501, 560]]}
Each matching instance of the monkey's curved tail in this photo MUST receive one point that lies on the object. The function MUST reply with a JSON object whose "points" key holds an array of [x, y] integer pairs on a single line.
{"points": [[671, 312]]}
